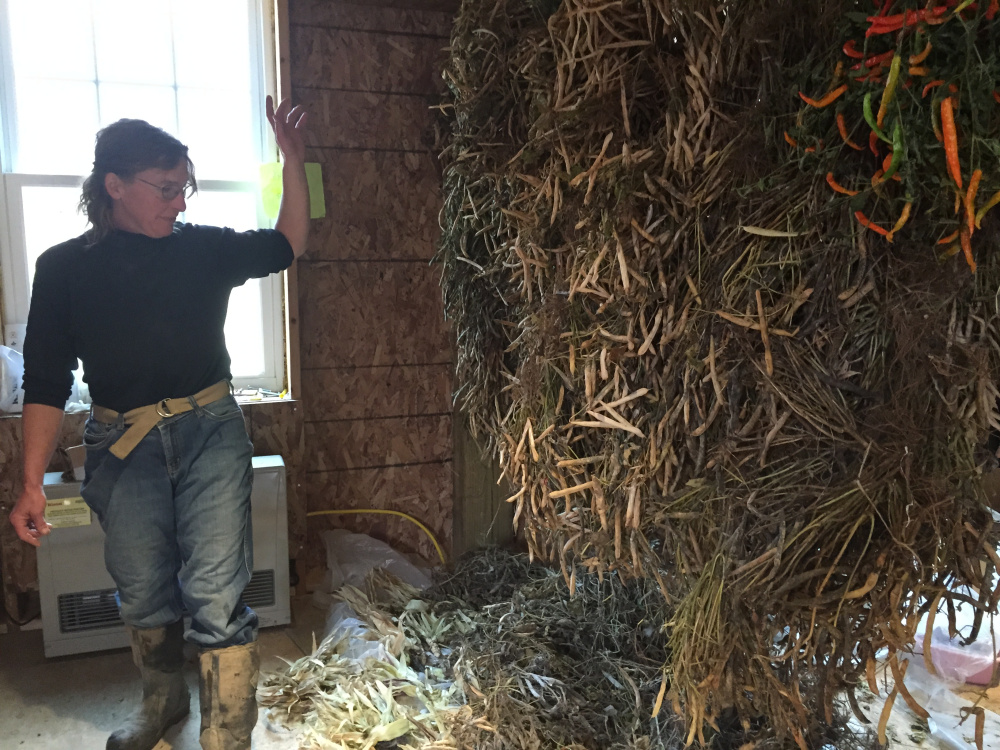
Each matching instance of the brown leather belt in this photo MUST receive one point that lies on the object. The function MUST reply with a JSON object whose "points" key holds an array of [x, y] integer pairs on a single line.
{"points": [[143, 419]]}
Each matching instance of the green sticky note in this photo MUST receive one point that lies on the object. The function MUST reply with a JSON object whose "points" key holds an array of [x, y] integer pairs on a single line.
{"points": [[270, 189], [317, 201]]}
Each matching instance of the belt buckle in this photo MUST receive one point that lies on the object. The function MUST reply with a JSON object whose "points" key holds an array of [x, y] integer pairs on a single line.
{"points": [[163, 410]]}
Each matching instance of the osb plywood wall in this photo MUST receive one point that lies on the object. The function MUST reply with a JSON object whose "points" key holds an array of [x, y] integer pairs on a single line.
{"points": [[274, 428], [375, 350]]}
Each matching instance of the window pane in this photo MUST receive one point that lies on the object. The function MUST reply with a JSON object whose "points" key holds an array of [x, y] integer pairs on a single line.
{"points": [[245, 321], [52, 39], [223, 208], [50, 217], [218, 128], [213, 48], [245, 330], [134, 42], [154, 104], [56, 124]]}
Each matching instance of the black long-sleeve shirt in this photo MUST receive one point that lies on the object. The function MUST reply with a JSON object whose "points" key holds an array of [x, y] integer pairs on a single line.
{"points": [[145, 315]]}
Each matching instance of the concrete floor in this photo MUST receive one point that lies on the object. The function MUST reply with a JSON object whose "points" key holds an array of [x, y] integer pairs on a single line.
{"points": [[75, 702]]}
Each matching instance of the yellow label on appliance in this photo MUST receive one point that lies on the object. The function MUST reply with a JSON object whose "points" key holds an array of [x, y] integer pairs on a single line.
{"points": [[66, 512]]}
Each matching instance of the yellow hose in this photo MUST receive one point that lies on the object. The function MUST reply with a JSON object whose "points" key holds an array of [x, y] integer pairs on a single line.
{"points": [[408, 517]]}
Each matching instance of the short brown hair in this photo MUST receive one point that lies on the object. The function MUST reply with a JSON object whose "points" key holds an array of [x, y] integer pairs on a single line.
{"points": [[126, 148]]}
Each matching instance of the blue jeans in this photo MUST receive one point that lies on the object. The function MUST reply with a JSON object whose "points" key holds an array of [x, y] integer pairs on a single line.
{"points": [[176, 517]]}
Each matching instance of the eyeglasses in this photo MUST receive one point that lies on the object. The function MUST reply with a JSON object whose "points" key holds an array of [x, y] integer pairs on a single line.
{"points": [[170, 191]]}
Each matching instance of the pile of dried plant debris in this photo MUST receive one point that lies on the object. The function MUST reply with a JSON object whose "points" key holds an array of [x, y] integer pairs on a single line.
{"points": [[693, 362], [498, 655]]}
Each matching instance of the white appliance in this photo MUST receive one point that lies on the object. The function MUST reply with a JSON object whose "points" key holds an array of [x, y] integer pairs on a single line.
{"points": [[79, 610]]}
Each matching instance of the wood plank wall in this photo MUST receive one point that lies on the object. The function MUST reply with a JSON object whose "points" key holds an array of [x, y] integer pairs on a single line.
{"points": [[376, 354]]}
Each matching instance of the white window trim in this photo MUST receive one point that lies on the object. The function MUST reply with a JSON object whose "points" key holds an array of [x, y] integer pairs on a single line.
{"points": [[16, 293]]}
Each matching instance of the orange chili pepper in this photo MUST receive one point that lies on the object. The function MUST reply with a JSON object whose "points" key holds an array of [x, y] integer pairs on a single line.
{"points": [[950, 238], [873, 142], [886, 162], [877, 178], [922, 55], [992, 10], [996, 94], [826, 100], [970, 200], [842, 127], [869, 224], [837, 187], [953, 88], [929, 86], [966, 241], [810, 149], [903, 217], [917, 71], [791, 141], [950, 140]]}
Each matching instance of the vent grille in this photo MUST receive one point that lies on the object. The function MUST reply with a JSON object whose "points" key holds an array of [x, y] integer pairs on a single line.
{"points": [[88, 610], [97, 610], [259, 593]]}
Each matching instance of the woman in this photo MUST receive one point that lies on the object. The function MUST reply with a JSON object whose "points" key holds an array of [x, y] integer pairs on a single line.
{"points": [[141, 301]]}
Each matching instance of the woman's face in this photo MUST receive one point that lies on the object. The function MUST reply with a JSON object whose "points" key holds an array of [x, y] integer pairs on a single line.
{"points": [[139, 205]]}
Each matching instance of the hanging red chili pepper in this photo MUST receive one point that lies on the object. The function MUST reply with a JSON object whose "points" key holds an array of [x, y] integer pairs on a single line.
{"points": [[842, 127], [837, 187], [826, 100], [970, 200], [852, 51], [950, 135], [950, 238], [922, 55], [874, 60], [869, 224], [903, 217], [966, 241], [929, 86], [889, 24]]}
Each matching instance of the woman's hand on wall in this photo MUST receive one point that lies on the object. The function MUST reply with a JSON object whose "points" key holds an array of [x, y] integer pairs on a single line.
{"points": [[289, 125]]}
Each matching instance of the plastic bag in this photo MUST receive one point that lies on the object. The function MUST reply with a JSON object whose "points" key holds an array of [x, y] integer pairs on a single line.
{"points": [[11, 374], [79, 396], [944, 707], [972, 663], [350, 557]]}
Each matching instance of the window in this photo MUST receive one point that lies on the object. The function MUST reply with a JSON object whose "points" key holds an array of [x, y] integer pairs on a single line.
{"points": [[196, 68]]}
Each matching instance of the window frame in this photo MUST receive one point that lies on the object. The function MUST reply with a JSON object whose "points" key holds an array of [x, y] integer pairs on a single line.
{"points": [[15, 296]]}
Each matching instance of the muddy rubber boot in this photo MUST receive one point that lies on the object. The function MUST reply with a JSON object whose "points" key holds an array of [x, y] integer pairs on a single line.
{"points": [[229, 697], [159, 654]]}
